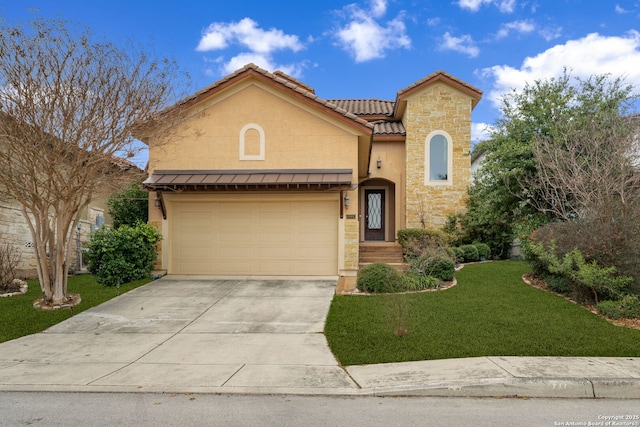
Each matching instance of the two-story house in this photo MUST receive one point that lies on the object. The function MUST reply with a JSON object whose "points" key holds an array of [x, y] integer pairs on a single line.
{"points": [[260, 176]]}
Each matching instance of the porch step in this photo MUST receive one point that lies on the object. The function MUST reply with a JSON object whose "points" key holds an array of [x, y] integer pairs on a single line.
{"points": [[387, 252]]}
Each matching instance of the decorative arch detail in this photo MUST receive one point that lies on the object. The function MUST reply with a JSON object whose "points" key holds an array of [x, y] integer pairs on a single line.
{"points": [[242, 145]]}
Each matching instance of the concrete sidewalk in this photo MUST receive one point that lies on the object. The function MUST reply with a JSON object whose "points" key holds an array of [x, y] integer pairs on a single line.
{"points": [[252, 335]]}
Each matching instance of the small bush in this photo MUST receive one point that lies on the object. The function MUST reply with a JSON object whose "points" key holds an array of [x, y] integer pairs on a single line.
{"points": [[470, 253], [559, 284], [459, 254], [117, 256], [379, 278], [412, 282], [626, 308], [9, 261], [415, 241], [440, 267], [583, 275], [484, 251]]}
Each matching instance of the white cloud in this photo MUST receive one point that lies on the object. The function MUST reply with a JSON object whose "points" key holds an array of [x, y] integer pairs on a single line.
{"points": [[259, 44], [247, 34], [480, 132], [620, 9], [378, 8], [504, 6], [550, 33], [365, 38], [463, 44], [591, 55], [521, 27]]}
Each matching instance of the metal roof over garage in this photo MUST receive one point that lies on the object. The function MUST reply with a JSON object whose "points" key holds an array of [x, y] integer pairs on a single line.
{"points": [[283, 179]]}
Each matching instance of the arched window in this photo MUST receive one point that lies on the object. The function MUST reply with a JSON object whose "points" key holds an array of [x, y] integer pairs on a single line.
{"points": [[438, 161]]}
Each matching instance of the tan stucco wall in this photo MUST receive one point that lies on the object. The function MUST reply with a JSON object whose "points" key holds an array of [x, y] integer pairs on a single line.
{"points": [[296, 136], [392, 168], [437, 107]]}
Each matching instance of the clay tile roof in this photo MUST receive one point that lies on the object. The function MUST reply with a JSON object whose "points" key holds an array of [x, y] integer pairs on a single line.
{"points": [[440, 75], [389, 128], [280, 78], [366, 107], [294, 81]]}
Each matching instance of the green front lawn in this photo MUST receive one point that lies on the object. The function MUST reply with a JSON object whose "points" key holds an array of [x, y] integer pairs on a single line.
{"points": [[490, 312], [19, 318]]}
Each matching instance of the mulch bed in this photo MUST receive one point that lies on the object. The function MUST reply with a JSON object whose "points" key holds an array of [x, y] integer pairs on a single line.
{"points": [[536, 282]]}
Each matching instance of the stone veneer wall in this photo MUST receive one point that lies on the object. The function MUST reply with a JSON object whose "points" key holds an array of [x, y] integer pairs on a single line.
{"points": [[438, 107], [14, 230], [351, 244]]}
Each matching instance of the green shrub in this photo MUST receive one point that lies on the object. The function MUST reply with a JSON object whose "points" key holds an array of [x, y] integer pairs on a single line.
{"points": [[125, 254], [438, 266], [415, 241], [379, 278], [129, 206], [584, 276], [412, 282], [611, 241], [626, 308], [559, 284], [484, 251], [459, 254], [470, 253]]}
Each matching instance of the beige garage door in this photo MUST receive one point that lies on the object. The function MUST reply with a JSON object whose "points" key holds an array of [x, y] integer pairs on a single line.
{"points": [[256, 238]]}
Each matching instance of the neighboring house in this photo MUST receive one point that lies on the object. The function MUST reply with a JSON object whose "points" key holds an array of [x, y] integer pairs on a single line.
{"points": [[14, 230], [262, 177], [477, 158]]}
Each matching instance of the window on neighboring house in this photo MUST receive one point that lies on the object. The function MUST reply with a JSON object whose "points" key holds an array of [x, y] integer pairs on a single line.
{"points": [[438, 158]]}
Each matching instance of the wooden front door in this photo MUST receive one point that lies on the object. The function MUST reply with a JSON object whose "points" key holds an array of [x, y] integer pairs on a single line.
{"points": [[374, 228]]}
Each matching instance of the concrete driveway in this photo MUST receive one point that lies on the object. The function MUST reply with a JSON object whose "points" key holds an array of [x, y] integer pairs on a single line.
{"points": [[185, 334]]}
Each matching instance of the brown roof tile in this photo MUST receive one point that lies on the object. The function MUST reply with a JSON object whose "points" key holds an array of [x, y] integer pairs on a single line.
{"points": [[389, 128], [439, 75], [280, 78], [365, 107]]}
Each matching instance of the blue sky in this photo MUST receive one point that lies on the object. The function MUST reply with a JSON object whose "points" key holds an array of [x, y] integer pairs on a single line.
{"points": [[373, 48]]}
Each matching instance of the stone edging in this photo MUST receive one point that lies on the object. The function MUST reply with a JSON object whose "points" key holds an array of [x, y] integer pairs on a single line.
{"points": [[23, 290]]}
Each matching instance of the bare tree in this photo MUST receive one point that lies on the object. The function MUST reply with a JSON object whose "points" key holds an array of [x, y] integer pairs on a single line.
{"points": [[588, 165], [69, 107]]}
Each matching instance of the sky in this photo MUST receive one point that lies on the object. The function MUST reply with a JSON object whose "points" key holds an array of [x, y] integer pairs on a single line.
{"points": [[372, 48]]}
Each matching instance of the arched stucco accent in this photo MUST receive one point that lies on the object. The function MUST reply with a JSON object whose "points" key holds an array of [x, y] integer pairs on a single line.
{"points": [[243, 132]]}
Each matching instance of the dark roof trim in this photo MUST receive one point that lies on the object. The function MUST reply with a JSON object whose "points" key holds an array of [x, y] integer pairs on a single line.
{"points": [[271, 179]]}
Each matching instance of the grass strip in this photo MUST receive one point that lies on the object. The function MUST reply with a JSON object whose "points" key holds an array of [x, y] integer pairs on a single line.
{"points": [[490, 312], [18, 317]]}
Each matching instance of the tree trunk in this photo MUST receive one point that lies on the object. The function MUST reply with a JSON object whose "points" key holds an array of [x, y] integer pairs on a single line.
{"points": [[50, 234]]}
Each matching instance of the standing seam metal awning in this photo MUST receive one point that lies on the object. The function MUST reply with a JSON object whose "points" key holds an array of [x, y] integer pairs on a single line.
{"points": [[284, 179]]}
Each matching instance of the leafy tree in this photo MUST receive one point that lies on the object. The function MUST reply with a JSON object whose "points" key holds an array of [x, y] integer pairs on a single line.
{"points": [[129, 205], [68, 105], [511, 191]]}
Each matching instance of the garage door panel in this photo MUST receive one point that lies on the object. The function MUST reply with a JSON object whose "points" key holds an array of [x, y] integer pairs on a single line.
{"points": [[254, 237]]}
